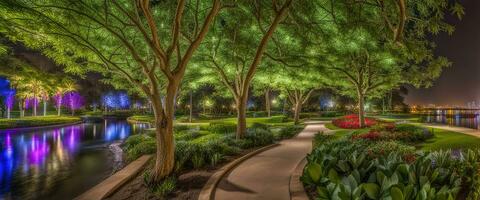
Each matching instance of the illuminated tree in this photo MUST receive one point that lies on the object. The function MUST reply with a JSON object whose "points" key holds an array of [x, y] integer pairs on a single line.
{"points": [[228, 50], [9, 99], [147, 43], [61, 87], [73, 101]]}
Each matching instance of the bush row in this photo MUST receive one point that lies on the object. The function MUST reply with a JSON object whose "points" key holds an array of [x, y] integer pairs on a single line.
{"points": [[364, 169], [197, 148]]}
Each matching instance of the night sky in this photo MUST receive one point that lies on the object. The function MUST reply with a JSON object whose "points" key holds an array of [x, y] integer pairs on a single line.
{"points": [[458, 84]]}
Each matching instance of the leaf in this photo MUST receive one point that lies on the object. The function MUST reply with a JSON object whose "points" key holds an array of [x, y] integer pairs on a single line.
{"points": [[322, 193], [333, 176], [396, 193], [314, 171], [372, 190]]}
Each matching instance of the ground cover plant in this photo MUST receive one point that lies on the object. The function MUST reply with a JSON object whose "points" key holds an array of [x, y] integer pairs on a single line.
{"points": [[383, 163]]}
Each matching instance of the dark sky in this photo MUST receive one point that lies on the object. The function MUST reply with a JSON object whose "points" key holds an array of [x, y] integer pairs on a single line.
{"points": [[458, 84]]}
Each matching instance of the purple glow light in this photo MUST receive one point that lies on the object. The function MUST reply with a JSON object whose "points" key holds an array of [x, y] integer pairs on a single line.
{"points": [[9, 99], [31, 102], [73, 101], [58, 99]]}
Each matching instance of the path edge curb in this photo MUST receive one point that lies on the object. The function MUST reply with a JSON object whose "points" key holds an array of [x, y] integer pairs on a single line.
{"points": [[209, 188], [94, 194], [297, 191]]}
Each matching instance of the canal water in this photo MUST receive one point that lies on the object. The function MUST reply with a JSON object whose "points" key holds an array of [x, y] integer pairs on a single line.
{"points": [[62, 162], [468, 118]]}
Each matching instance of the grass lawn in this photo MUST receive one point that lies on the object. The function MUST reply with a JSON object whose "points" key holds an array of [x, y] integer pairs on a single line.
{"points": [[331, 126], [442, 140], [36, 121], [398, 117], [273, 121], [445, 139]]}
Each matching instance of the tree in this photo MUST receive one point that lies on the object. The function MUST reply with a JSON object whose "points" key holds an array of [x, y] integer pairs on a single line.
{"points": [[73, 101], [129, 40], [369, 47], [9, 100], [228, 52], [61, 87]]}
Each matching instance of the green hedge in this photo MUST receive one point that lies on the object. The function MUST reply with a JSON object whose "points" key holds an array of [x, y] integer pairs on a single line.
{"points": [[36, 121]]}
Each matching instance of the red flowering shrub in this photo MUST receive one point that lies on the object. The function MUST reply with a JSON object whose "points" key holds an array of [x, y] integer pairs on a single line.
{"points": [[352, 122], [372, 135]]}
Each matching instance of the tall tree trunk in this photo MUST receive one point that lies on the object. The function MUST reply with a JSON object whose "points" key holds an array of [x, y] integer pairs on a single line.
{"points": [[20, 107], [165, 155], [241, 116], [191, 107], [8, 113], [59, 110], [268, 102], [44, 108], [361, 109], [34, 107], [297, 111]]}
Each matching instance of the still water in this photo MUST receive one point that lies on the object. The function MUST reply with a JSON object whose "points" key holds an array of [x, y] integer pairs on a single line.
{"points": [[62, 162], [468, 118]]}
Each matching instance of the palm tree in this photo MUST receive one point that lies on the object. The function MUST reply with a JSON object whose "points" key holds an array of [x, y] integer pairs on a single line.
{"points": [[62, 87]]}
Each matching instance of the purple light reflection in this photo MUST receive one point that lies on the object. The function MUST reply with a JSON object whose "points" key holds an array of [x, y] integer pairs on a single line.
{"points": [[50, 156]]}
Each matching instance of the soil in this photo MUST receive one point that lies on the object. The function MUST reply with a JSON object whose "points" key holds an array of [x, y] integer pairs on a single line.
{"points": [[189, 184]]}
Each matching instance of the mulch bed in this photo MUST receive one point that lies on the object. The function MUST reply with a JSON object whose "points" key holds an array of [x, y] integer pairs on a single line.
{"points": [[189, 183]]}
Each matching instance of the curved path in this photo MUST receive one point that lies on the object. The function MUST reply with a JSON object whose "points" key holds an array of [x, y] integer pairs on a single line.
{"points": [[267, 174]]}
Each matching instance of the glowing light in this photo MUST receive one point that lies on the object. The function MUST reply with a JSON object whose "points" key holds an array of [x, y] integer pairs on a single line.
{"points": [[116, 100], [73, 101]]}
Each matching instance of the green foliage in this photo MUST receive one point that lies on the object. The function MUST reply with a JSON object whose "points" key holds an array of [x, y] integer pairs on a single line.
{"points": [[139, 145], [289, 131], [161, 189], [36, 121], [341, 169], [222, 127], [444, 140]]}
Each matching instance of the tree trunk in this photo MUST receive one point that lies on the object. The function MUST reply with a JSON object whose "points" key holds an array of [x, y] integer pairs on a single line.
{"points": [[297, 111], [20, 107], [361, 109], [44, 108], [8, 113], [59, 110], [241, 116], [165, 155], [34, 107], [191, 107], [268, 102]]}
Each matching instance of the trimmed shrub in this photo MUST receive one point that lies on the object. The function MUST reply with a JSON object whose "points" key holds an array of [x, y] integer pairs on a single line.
{"points": [[142, 148], [222, 128], [259, 137], [257, 125], [277, 119], [289, 131]]}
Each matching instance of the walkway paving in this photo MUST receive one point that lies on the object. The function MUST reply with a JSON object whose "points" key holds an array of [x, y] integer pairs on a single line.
{"points": [[267, 175], [467, 131]]}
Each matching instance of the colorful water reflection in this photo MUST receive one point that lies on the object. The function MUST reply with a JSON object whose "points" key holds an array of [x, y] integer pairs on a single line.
{"points": [[59, 163], [452, 117]]}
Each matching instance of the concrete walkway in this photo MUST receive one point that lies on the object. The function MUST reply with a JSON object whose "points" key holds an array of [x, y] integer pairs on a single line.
{"points": [[467, 131], [267, 175]]}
